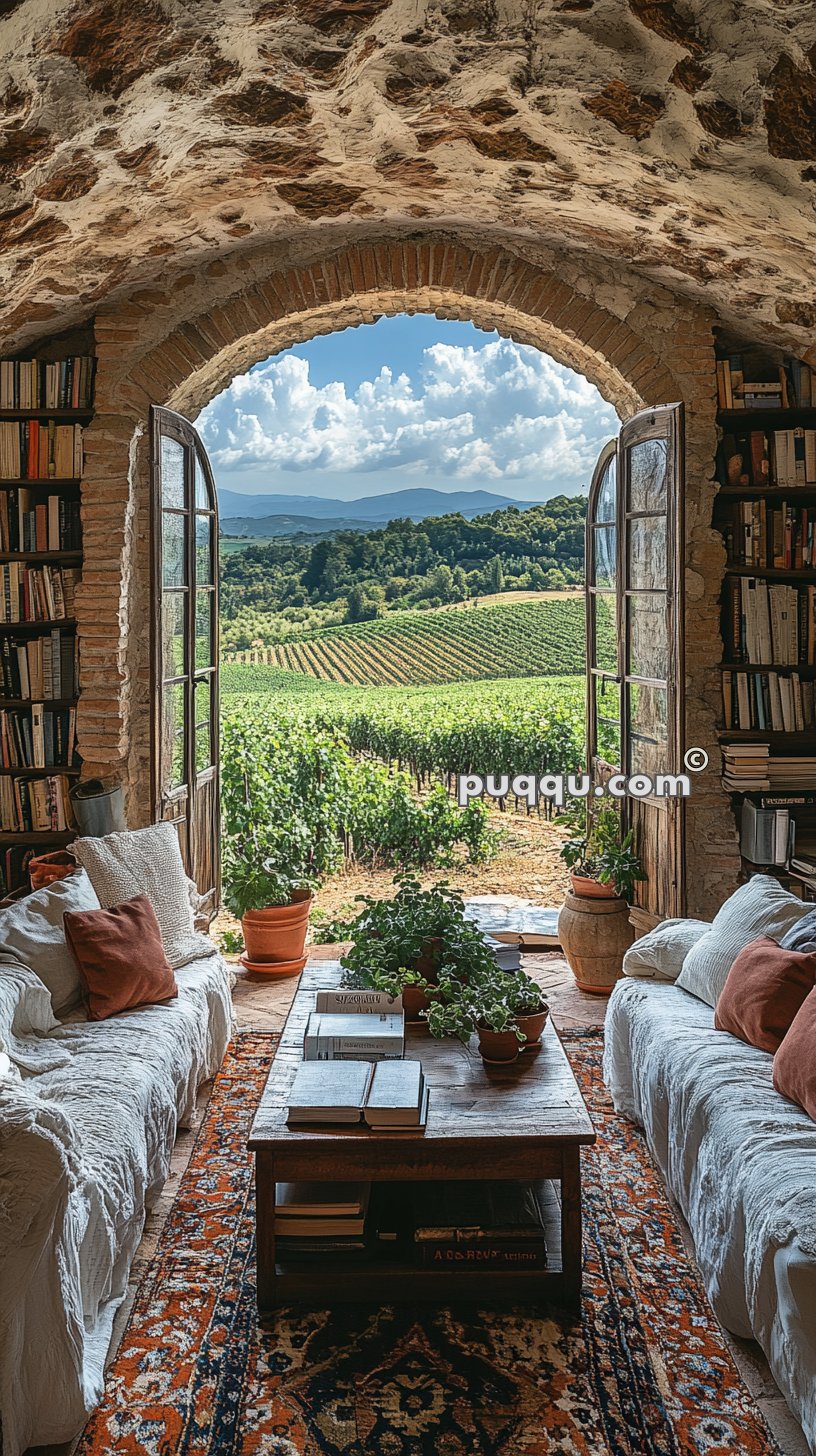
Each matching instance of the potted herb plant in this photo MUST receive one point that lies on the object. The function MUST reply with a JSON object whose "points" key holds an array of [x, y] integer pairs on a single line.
{"points": [[529, 1006], [593, 924], [272, 903], [421, 936]]}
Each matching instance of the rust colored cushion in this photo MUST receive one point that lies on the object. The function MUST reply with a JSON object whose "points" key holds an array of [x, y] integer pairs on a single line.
{"points": [[763, 991], [794, 1068], [120, 956]]}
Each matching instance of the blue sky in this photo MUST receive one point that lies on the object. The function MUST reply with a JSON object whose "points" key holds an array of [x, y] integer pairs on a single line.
{"points": [[408, 401]]}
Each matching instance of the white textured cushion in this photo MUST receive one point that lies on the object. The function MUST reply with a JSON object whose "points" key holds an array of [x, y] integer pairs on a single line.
{"points": [[659, 955], [147, 862], [760, 907], [32, 934]]}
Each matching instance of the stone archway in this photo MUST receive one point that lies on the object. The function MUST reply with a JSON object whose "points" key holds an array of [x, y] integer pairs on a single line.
{"points": [[180, 346]]}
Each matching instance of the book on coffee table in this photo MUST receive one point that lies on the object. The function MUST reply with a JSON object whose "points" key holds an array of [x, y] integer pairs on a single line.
{"points": [[397, 1097], [332, 1037], [329, 1091]]}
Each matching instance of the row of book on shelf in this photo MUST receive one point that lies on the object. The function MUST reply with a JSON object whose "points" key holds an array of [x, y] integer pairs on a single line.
{"points": [[41, 384], [36, 593], [781, 537], [32, 522], [31, 806], [752, 768], [768, 702], [37, 737], [40, 450], [765, 459], [39, 667], [769, 622], [788, 386], [456, 1225]]}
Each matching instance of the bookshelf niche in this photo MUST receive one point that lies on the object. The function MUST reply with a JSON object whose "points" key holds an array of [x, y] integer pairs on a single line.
{"points": [[766, 512], [44, 407]]}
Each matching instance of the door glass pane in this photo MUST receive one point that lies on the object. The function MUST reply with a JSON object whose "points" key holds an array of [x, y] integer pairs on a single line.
{"points": [[175, 572], [203, 548], [648, 463], [203, 719], [606, 632], [203, 628], [647, 552], [648, 729], [608, 494], [648, 641], [173, 664], [605, 540], [172, 474], [173, 773], [202, 495], [607, 718]]}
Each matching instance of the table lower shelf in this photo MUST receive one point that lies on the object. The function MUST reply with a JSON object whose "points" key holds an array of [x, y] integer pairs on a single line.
{"points": [[381, 1282]]}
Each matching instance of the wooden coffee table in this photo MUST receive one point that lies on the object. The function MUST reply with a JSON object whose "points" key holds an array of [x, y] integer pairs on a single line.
{"points": [[526, 1121]]}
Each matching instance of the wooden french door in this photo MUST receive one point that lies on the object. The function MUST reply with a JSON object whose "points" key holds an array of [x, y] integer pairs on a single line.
{"points": [[185, 647], [635, 670]]}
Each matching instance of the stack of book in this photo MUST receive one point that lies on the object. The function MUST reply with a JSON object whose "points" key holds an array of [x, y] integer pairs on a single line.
{"points": [[313, 1219], [36, 384], [384, 1094], [40, 450], [463, 1225], [507, 956], [768, 701], [783, 538], [769, 622], [745, 767], [332, 1036]]}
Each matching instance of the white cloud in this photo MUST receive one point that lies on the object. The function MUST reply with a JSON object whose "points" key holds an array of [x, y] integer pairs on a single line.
{"points": [[499, 412]]}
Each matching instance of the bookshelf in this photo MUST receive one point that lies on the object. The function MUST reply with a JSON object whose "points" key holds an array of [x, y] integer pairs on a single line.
{"points": [[766, 512], [44, 407]]}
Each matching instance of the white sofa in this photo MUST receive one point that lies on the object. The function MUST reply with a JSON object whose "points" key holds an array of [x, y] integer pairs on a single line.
{"points": [[741, 1162], [88, 1115]]}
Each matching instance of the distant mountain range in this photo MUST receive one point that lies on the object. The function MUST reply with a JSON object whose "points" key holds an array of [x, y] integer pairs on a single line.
{"points": [[285, 515]]}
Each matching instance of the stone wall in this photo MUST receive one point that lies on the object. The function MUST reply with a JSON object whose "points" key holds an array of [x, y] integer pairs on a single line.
{"points": [[180, 344]]}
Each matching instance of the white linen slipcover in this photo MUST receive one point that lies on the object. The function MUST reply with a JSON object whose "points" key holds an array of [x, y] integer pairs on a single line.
{"points": [[741, 1162], [88, 1117]]}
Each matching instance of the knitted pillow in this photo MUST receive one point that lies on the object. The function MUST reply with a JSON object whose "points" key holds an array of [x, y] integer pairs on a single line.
{"points": [[760, 907], [147, 862]]}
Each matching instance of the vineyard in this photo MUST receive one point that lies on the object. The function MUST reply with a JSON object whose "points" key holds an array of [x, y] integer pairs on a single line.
{"points": [[515, 640], [515, 725]]}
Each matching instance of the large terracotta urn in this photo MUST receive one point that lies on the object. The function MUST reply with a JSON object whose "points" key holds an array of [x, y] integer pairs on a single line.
{"points": [[595, 933]]}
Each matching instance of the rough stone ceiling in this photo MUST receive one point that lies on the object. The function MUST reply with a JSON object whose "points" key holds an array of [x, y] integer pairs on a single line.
{"points": [[141, 136]]}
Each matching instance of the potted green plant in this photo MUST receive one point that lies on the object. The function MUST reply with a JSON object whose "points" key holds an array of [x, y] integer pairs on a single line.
{"points": [[500, 1036], [593, 924], [529, 1007], [602, 863], [272, 904], [421, 935]]}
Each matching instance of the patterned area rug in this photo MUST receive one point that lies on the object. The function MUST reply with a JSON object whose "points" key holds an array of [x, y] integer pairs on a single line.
{"points": [[645, 1372]]}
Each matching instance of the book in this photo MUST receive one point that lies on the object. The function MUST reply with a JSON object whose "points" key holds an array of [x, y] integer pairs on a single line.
{"points": [[333, 1093], [352, 1001], [398, 1096], [40, 384], [506, 956], [321, 1210], [332, 1036]]}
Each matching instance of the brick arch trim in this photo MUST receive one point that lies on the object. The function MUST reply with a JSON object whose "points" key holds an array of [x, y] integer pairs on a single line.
{"points": [[358, 284]]}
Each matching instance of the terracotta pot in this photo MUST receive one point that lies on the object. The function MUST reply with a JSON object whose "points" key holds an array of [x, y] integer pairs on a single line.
{"points": [[532, 1024], [273, 970], [278, 932], [592, 889], [594, 935], [414, 1000], [498, 1047]]}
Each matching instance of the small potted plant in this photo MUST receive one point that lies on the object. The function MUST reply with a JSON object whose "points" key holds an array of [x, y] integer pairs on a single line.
{"points": [[500, 1036], [273, 907], [422, 935], [593, 924], [529, 1006]]}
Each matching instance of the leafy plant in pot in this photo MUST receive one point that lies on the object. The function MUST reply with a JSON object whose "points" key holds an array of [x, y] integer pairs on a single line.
{"points": [[601, 862], [529, 1006], [420, 936], [272, 905]]}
